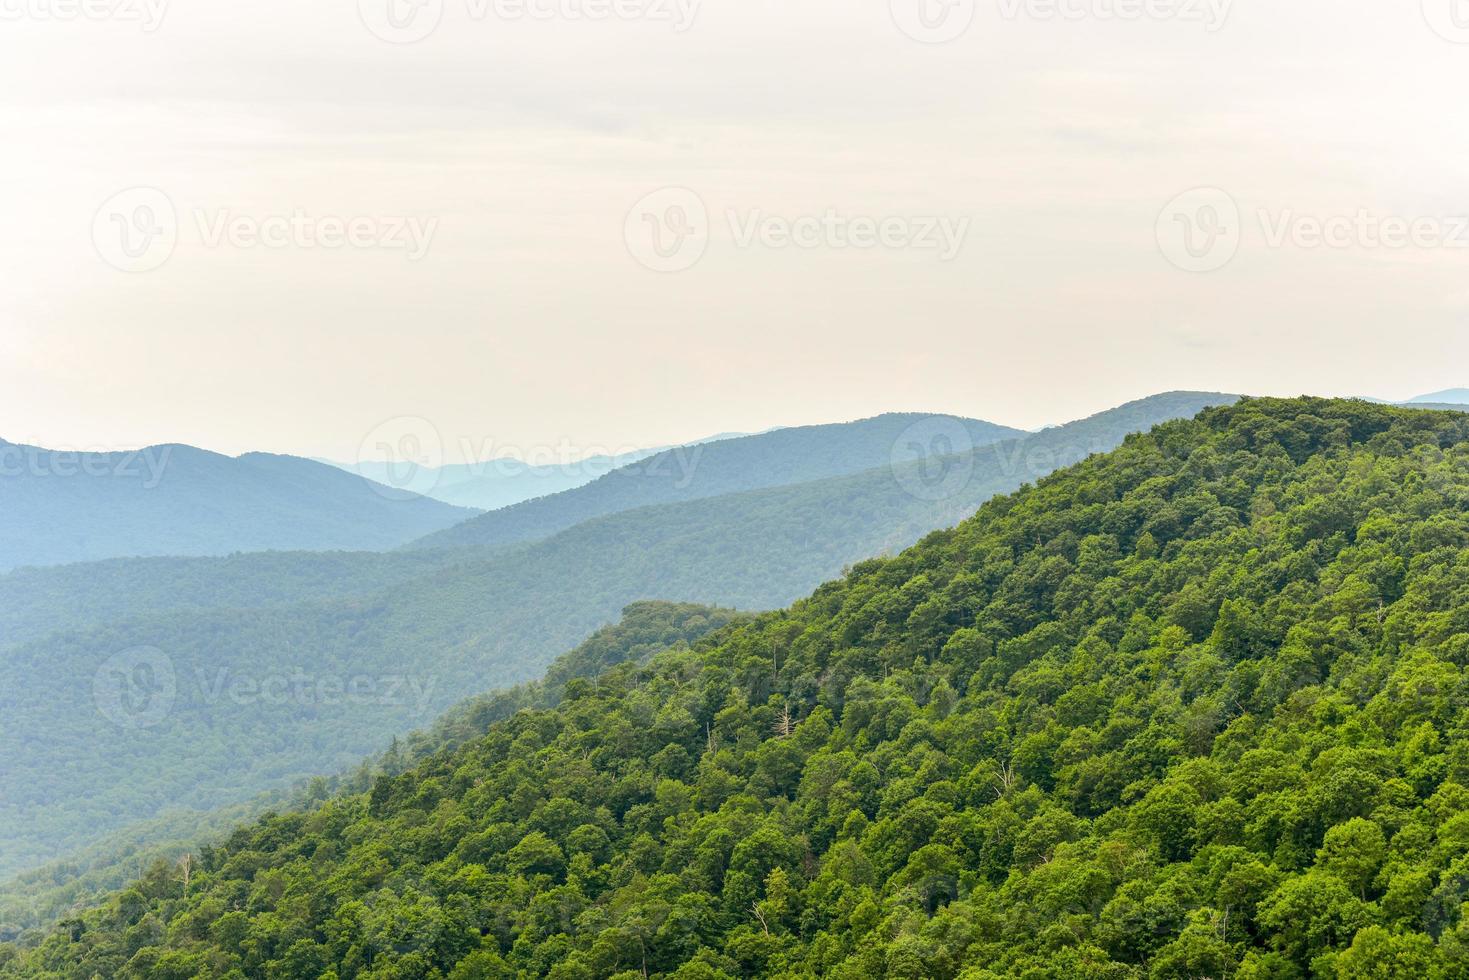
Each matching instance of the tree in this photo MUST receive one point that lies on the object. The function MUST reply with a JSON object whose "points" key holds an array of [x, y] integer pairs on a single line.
{"points": [[1354, 852], [1310, 914], [1376, 954]]}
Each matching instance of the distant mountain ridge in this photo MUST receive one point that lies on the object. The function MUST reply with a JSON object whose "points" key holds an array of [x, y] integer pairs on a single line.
{"points": [[504, 481], [779, 457], [58, 507], [475, 623], [1453, 396]]}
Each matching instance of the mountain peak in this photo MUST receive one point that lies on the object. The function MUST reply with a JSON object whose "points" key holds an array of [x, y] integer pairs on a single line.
{"points": [[1452, 396]]}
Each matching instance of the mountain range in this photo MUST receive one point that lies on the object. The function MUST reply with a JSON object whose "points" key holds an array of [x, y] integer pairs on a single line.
{"points": [[778, 458], [1186, 708], [503, 481], [208, 683], [1454, 396], [58, 507]]}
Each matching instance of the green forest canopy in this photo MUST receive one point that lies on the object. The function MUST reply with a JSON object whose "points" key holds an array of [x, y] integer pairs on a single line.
{"points": [[1194, 708]]}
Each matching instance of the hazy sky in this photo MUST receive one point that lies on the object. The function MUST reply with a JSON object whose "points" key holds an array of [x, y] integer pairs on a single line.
{"points": [[859, 221]]}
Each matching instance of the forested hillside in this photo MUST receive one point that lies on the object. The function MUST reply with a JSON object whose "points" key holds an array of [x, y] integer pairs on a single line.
{"points": [[42, 896], [771, 459], [61, 507], [1194, 708], [256, 698]]}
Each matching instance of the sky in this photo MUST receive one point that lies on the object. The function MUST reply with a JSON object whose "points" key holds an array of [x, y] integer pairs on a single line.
{"points": [[506, 225]]}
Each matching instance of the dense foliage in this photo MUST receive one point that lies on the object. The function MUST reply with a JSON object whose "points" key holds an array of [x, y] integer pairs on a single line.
{"points": [[58, 507], [237, 724], [1196, 708], [44, 895]]}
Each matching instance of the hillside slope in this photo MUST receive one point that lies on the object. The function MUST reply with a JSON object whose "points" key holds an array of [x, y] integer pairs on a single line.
{"points": [[234, 724], [44, 895], [61, 507], [777, 458], [1190, 709]]}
